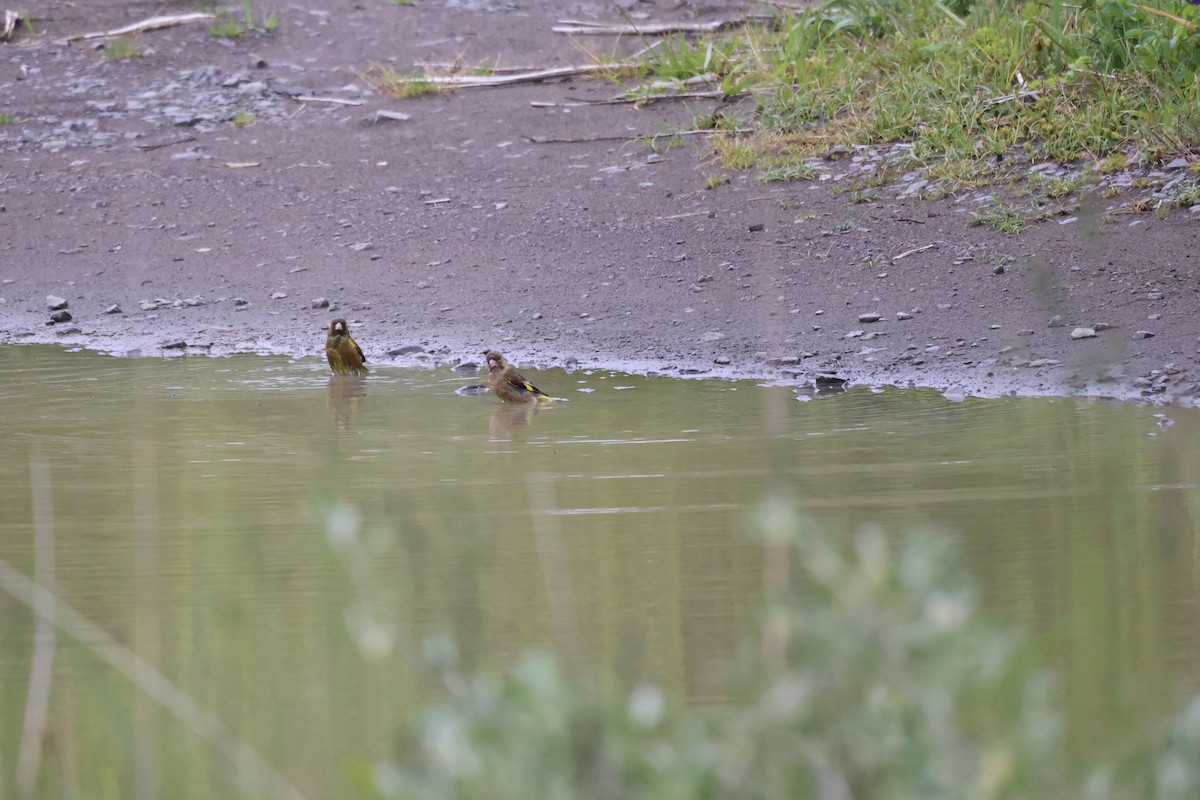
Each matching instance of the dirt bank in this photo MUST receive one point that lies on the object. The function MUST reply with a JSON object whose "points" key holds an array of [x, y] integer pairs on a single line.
{"points": [[524, 219]]}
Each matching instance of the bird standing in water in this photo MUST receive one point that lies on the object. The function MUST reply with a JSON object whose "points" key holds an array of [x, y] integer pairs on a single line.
{"points": [[344, 354], [510, 385]]}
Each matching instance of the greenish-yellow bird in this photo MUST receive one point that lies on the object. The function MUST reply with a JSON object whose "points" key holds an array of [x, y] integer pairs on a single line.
{"points": [[344, 354], [510, 385]]}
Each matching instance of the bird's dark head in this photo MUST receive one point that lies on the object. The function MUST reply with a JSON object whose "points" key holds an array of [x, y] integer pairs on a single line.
{"points": [[494, 359], [339, 327]]}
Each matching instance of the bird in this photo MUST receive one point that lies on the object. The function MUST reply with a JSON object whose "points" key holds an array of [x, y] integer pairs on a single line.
{"points": [[510, 385], [344, 354]]}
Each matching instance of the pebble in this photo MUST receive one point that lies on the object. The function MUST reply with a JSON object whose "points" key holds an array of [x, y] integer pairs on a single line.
{"points": [[1154, 296], [241, 301], [362, 246], [178, 344], [60, 316], [722, 360], [147, 305], [756, 227], [113, 309], [870, 316], [1056, 322], [903, 315], [998, 269], [712, 336], [406, 350], [275, 296], [1143, 335], [55, 303], [320, 302], [1083, 333], [386, 116]]}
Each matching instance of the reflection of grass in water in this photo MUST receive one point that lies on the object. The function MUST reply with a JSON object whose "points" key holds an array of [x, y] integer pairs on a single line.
{"points": [[248, 770]]}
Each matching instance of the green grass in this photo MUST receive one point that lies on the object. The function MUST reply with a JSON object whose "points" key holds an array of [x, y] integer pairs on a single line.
{"points": [[1001, 217], [122, 48], [400, 85], [968, 82], [231, 26], [7, 119], [242, 118]]}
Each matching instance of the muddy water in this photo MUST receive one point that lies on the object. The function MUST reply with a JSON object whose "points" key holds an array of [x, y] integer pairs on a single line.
{"points": [[277, 543]]}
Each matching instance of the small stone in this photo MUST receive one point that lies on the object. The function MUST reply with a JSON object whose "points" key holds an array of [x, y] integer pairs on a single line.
{"points": [[1083, 333], [257, 62], [320, 302], [1143, 335], [61, 316], [148, 305], [537, 315], [278, 295], [903, 315], [1057, 322], [71, 331], [1179, 163], [113, 309], [174, 345], [193, 302], [362, 246], [998, 269], [55, 303], [785, 361], [241, 301], [756, 227], [1154, 296], [712, 336], [722, 360], [1102, 326], [406, 350], [386, 116], [1043, 362], [870, 316]]}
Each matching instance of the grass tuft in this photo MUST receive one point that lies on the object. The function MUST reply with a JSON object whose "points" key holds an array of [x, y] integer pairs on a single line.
{"points": [[232, 26], [979, 88], [122, 48], [1001, 217]]}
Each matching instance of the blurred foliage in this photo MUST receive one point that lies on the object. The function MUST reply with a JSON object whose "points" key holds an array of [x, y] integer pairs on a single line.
{"points": [[875, 675]]}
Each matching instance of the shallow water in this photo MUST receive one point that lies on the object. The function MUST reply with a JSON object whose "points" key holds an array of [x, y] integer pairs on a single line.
{"points": [[278, 543]]}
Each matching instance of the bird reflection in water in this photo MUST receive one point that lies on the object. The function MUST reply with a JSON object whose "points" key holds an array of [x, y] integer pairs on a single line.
{"points": [[345, 393], [511, 420]]}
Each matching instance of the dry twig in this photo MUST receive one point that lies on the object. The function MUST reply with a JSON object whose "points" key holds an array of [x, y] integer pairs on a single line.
{"points": [[308, 98], [149, 24], [585, 28], [915, 250]]}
